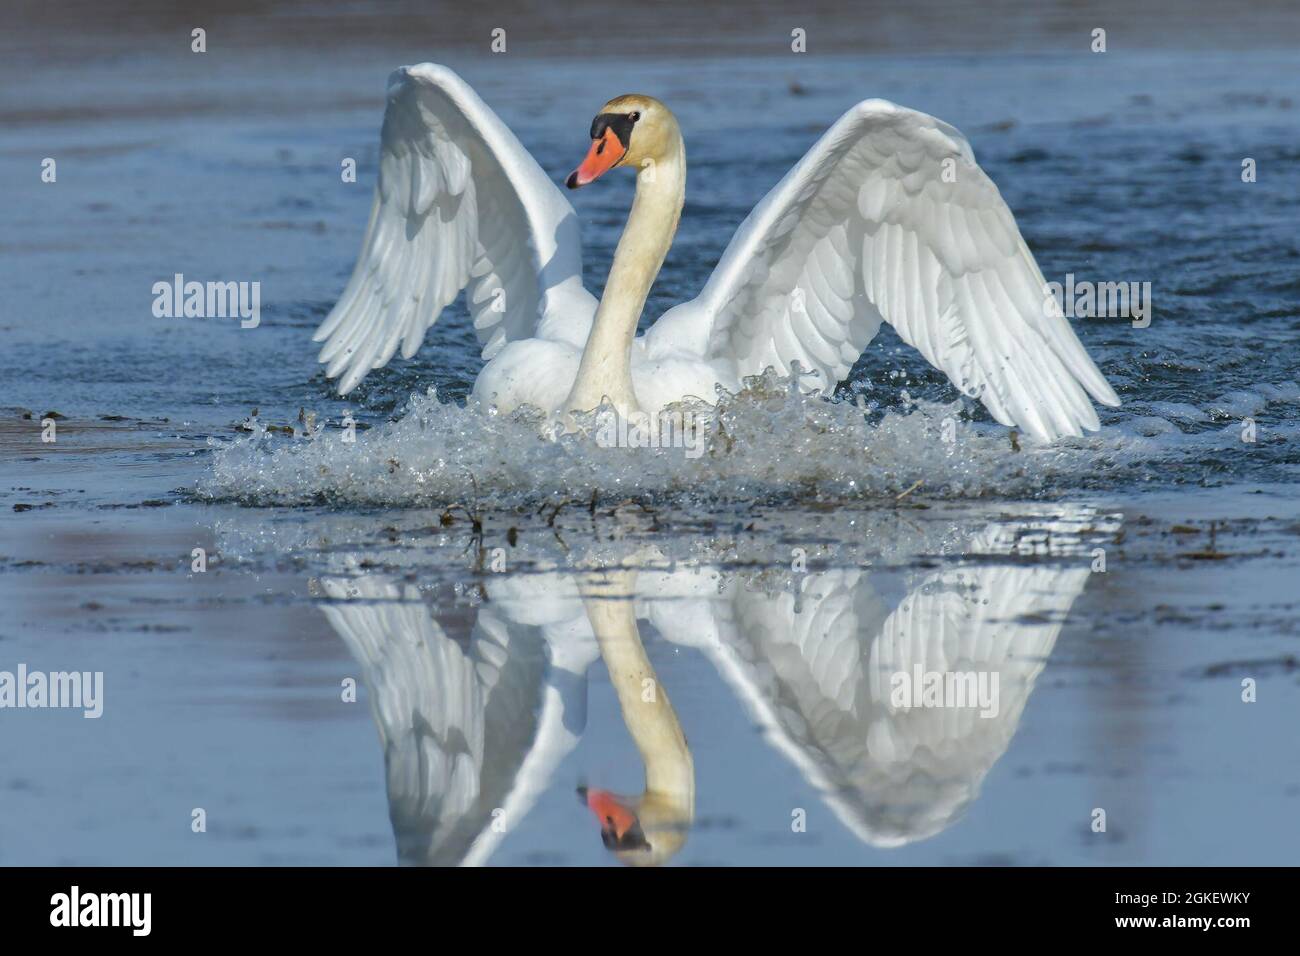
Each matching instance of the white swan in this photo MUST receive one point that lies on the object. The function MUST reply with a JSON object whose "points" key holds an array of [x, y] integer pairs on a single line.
{"points": [[887, 217]]}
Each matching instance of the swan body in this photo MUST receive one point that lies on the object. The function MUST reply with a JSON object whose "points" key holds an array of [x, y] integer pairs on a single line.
{"points": [[887, 218]]}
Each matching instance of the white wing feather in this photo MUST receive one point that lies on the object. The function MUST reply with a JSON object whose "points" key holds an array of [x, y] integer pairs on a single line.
{"points": [[819, 680], [468, 723], [459, 203], [449, 757], [888, 216]]}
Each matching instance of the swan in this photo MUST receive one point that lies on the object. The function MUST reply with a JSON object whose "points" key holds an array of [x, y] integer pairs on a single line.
{"points": [[887, 218]]}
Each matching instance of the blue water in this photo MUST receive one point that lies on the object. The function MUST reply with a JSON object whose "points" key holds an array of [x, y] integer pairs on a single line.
{"points": [[224, 687]]}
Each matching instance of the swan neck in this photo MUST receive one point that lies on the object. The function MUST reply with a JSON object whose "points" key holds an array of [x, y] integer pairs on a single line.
{"points": [[647, 711], [605, 371]]}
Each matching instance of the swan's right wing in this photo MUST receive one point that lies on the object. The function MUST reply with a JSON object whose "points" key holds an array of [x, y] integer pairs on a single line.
{"points": [[889, 217], [460, 203]]}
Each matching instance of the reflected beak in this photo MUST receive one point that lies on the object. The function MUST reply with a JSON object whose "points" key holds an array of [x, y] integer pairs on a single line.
{"points": [[619, 827], [604, 155]]}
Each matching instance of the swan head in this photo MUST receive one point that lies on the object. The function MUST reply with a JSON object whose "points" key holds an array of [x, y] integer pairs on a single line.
{"points": [[631, 130], [645, 831]]}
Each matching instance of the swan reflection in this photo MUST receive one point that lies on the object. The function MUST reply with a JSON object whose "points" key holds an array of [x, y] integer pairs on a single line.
{"points": [[849, 672]]}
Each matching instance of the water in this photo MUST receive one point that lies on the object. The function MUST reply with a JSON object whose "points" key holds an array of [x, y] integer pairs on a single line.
{"points": [[476, 583]]}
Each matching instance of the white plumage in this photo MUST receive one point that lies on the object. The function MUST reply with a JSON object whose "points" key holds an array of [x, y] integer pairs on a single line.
{"points": [[887, 218], [481, 721], [472, 726]]}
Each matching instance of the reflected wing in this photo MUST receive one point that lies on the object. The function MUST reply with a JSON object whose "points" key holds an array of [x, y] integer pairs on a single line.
{"points": [[471, 728], [924, 765], [460, 203], [817, 671], [888, 216]]}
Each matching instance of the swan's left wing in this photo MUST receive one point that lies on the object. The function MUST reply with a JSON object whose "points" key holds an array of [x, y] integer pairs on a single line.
{"points": [[460, 204], [888, 216]]}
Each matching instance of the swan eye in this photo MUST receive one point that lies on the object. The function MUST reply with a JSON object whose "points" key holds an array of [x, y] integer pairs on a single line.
{"points": [[634, 116]]}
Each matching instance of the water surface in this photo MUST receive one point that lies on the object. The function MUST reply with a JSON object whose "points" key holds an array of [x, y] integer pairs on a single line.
{"points": [[463, 574]]}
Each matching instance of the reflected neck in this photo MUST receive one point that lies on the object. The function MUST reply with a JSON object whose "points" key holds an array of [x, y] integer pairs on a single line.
{"points": [[649, 715], [605, 371]]}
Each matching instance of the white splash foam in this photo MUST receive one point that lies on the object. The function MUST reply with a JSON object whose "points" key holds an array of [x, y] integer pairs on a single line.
{"points": [[769, 441]]}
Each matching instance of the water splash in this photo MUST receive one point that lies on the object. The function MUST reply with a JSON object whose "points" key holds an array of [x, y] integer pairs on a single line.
{"points": [[768, 443]]}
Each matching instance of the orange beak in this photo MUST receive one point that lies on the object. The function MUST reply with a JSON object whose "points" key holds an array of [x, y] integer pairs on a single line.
{"points": [[619, 827], [603, 156]]}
